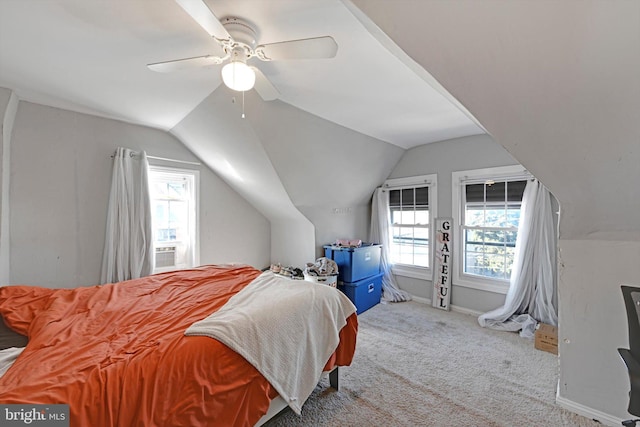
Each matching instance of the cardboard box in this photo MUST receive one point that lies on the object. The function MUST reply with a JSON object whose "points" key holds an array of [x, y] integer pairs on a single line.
{"points": [[546, 338]]}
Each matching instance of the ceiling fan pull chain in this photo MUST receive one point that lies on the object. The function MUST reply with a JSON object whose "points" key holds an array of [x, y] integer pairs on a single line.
{"points": [[243, 104]]}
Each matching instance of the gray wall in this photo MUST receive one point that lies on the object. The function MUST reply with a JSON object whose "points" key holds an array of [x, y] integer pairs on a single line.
{"points": [[312, 178], [443, 158], [328, 171], [593, 322], [555, 83], [60, 183], [216, 132], [338, 221]]}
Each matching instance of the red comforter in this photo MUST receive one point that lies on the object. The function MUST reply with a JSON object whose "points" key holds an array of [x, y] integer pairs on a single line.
{"points": [[118, 356]]}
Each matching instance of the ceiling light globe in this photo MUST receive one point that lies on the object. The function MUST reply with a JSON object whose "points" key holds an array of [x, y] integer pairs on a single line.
{"points": [[238, 76]]}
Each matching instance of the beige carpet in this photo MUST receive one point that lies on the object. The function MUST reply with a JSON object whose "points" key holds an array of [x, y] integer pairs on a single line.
{"points": [[419, 366]]}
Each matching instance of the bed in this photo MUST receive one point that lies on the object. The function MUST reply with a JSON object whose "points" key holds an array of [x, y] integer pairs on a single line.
{"points": [[118, 353]]}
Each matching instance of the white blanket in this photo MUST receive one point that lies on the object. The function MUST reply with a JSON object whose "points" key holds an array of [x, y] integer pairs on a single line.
{"points": [[7, 357], [287, 329]]}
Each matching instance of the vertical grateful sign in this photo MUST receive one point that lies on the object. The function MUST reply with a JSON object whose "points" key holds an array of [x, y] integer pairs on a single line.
{"points": [[442, 264]]}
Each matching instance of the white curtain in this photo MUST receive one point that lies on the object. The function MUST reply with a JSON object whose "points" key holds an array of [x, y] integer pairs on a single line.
{"points": [[532, 295], [381, 233], [128, 242]]}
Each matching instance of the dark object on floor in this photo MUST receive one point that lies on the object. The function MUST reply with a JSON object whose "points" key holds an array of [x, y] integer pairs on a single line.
{"points": [[631, 356]]}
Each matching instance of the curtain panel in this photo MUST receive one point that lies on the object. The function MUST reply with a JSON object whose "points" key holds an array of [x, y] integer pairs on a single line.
{"points": [[381, 233], [532, 294], [128, 240]]}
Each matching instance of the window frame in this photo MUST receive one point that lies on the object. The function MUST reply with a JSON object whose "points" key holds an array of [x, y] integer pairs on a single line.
{"points": [[459, 180], [430, 181], [194, 216]]}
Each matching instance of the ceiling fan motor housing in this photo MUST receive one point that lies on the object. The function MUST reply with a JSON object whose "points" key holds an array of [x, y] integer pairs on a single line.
{"points": [[241, 32]]}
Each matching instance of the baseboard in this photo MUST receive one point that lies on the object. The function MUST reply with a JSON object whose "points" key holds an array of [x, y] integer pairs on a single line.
{"points": [[463, 310], [585, 411], [455, 308], [421, 300]]}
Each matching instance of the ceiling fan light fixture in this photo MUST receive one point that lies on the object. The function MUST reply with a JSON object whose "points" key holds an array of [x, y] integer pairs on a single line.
{"points": [[238, 76]]}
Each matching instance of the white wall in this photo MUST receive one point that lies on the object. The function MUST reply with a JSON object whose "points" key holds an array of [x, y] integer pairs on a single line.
{"points": [[443, 158], [61, 175]]}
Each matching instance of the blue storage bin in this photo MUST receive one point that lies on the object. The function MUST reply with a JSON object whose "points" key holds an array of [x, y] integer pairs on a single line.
{"points": [[364, 293], [355, 263]]}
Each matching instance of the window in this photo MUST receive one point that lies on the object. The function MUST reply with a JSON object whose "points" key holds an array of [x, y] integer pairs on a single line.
{"points": [[411, 202], [491, 217], [173, 194], [487, 209], [409, 208]]}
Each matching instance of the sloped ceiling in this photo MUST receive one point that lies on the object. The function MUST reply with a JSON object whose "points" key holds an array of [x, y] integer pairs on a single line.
{"points": [[91, 55], [301, 164], [369, 102], [556, 83]]}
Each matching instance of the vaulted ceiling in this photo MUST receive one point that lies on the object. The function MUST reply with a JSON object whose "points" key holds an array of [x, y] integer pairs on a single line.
{"points": [[556, 82], [91, 56]]}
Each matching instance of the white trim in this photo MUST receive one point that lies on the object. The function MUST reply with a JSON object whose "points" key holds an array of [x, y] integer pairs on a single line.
{"points": [[480, 283], [431, 180], [456, 308], [164, 159], [498, 172], [411, 181], [421, 300], [412, 271], [466, 311], [195, 238], [590, 413], [458, 178]]}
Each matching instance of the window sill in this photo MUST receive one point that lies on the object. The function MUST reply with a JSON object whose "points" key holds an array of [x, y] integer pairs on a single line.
{"points": [[171, 268], [422, 273], [483, 285]]}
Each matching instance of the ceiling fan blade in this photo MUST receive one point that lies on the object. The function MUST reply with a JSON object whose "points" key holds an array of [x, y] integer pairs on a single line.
{"points": [[314, 48], [201, 13], [186, 63], [263, 86]]}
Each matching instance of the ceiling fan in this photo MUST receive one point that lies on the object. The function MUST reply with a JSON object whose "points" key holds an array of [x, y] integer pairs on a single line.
{"points": [[237, 38]]}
